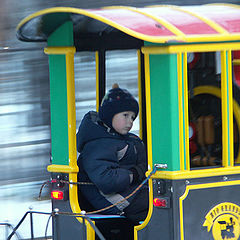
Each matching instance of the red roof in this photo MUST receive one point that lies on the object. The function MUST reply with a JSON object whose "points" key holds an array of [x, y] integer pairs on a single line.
{"points": [[159, 24]]}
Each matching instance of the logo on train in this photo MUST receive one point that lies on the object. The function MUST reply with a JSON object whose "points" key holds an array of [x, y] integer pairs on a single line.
{"points": [[224, 221]]}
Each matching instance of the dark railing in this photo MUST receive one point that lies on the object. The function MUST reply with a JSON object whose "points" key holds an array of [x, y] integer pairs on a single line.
{"points": [[52, 214], [14, 229]]}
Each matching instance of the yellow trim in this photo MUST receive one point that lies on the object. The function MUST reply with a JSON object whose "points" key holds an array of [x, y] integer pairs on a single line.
{"points": [[149, 144], [148, 109], [209, 172], [90, 231], [230, 102], [62, 168], [217, 92], [59, 50], [72, 169], [188, 38], [140, 94], [204, 19], [185, 82], [224, 94], [180, 109], [150, 210], [236, 61], [97, 79], [210, 47], [71, 110], [199, 186], [227, 108]]}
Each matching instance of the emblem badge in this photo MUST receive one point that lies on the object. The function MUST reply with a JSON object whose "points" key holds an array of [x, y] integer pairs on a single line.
{"points": [[224, 221]]}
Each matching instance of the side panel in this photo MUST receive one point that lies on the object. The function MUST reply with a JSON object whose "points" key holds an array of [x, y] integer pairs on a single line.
{"points": [[203, 208], [58, 95], [164, 110]]}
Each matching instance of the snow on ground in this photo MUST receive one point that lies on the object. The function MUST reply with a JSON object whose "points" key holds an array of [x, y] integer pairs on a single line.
{"points": [[16, 200]]}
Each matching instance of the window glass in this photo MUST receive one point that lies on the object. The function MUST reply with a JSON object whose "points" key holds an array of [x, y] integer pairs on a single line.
{"points": [[122, 68], [205, 113], [85, 84]]}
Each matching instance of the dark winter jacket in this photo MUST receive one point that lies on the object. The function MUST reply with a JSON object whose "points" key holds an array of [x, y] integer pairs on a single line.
{"points": [[108, 160]]}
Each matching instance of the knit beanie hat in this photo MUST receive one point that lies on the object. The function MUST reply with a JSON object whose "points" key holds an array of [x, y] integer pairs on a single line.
{"points": [[115, 101]]}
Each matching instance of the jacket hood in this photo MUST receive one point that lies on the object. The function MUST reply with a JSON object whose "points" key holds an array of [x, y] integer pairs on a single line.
{"points": [[92, 128]]}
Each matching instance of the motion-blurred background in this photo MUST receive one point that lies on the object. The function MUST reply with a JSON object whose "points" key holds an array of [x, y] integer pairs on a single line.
{"points": [[25, 148]]}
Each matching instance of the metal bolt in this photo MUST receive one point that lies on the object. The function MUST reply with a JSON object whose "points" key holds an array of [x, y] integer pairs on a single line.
{"points": [[225, 178]]}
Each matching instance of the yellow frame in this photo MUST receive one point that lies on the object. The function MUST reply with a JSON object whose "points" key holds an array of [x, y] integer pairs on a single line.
{"points": [[228, 159], [149, 145], [72, 168]]}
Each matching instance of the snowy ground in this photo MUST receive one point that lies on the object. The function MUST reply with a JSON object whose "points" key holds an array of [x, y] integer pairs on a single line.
{"points": [[16, 200]]}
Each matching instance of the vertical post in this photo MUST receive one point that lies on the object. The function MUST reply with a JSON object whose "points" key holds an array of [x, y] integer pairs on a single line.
{"points": [[61, 77], [227, 109], [100, 57], [31, 225], [162, 109]]}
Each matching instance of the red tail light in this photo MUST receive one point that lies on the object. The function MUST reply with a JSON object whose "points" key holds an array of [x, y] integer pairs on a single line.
{"points": [[159, 202], [58, 195]]}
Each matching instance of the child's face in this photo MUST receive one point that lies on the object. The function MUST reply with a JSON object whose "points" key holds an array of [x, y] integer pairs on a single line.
{"points": [[122, 122]]}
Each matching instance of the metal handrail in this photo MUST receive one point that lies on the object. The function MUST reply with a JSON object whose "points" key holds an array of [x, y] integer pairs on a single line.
{"points": [[52, 214], [14, 229]]}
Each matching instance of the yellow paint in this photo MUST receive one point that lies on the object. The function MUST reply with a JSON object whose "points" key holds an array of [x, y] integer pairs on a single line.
{"points": [[210, 47], [188, 38], [97, 79], [148, 109], [228, 214], [186, 127], [199, 186], [180, 109], [90, 231], [71, 109], [209, 172], [59, 50], [140, 94], [224, 92], [72, 169], [149, 144], [150, 210], [62, 168], [230, 100]]}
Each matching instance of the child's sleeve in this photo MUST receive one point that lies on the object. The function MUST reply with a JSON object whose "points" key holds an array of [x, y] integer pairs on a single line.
{"points": [[99, 160], [141, 165]]}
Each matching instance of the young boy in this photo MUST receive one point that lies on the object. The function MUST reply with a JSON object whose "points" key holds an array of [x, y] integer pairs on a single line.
{"points": [[111, 158]]}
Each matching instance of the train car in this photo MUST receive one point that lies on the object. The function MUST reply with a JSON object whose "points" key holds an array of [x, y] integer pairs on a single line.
{"points": [[189, 95]]}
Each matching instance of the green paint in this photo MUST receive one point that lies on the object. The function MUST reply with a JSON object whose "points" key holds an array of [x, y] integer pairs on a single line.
{"points": [[50, 22], [164, 110], [63, 36]]}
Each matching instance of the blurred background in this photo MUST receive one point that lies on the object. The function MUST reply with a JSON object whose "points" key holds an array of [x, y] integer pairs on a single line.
{"points": [[25, 148]]}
